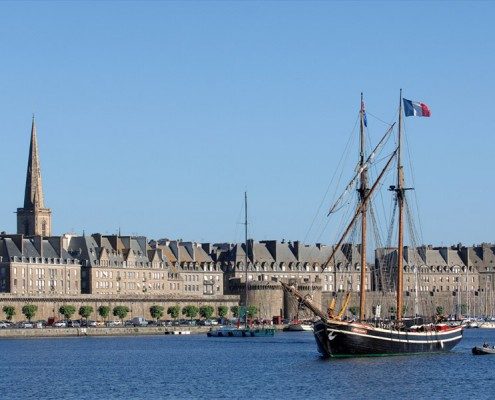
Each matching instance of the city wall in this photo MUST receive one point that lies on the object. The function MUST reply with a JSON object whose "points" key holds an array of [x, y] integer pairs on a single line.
{"points": [[138, 305]]}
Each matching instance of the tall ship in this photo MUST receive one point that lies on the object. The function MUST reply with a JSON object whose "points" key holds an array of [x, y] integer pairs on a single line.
{"points": [[337, 337]]}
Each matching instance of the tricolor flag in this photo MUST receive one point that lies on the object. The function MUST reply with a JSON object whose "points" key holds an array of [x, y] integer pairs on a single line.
{"points": [[416, 109]]}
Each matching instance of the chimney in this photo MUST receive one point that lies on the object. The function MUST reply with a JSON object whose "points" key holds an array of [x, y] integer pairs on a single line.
{"points": [[38, 245], [295, 249], [444, 252], [57, 242]]}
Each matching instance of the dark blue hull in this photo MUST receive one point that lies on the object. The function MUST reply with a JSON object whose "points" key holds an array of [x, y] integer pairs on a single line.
{"points": [[341, 339]]}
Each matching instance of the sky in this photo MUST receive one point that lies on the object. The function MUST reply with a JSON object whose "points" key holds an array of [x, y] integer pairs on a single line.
{"points": [[155, 117]]}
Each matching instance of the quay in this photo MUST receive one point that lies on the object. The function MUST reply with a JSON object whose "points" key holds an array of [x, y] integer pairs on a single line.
{"points": [[105, 331]]}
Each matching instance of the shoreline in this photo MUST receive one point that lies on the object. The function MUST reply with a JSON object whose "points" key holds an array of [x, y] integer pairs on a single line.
{"points": [[20, 333]]}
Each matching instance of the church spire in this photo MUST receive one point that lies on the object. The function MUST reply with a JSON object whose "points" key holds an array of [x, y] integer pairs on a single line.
{"points": [[33, 196], [34, 219]]}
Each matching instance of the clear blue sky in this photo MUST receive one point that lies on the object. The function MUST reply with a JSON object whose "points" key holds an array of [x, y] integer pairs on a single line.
{"points": [[155, 117]]}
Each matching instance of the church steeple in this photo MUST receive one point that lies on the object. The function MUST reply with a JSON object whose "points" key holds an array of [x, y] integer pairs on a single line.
{"points": [[34, 188], [34, 218]]}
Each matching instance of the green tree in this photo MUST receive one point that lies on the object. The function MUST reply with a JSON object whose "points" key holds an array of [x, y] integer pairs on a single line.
{"points": [[156, 311], [190, 311], [121, 312], [252, 311], [222, 311], [9, 312], [463, 309], [174, 311], [206, 311], [235, 311], [29, 310], [354, 310], [85, 311], [439, 310], [67, 310], [104, 311]]}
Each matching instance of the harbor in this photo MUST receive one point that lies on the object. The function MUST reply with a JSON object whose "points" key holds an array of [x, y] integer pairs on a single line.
{"points": [[236, 200], [286, 366]]}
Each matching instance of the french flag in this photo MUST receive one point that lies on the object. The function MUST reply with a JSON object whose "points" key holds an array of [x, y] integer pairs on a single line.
{"points": [[416, 109]]}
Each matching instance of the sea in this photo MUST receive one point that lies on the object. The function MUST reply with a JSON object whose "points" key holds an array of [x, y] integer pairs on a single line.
{"points": [[286, 366]]}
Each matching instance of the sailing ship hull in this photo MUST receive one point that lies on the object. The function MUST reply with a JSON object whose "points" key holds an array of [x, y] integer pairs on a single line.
{"points": [[356, 340]]}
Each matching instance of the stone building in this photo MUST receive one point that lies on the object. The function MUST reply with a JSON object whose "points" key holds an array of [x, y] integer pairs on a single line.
{"points": [[38, 266], [306, 266], [119, 265], [192, 270], [428, 269], [271, 261], [34, 218]]}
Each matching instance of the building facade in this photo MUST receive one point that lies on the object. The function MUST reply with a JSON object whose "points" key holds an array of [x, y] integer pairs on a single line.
{"points": [[37, 266]]}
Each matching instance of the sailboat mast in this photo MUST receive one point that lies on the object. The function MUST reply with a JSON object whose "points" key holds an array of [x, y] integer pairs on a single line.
{"points": [[363, 191], [246, 254], [400, 200]]}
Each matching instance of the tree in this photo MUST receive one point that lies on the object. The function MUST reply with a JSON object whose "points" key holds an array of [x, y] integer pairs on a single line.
{"points": [[252, 311], [190, 311], [104, 311], [9, 312], [235, 311], [85, 311], [354, 310], [174, 311], [206, 311], [156, 311], [222, 311], [464, 309], [439, 310], [29, 310], [121, 312], [67, 310]]}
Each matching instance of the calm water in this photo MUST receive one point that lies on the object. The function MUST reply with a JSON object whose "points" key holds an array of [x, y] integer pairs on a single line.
{"points": [[285, 366]]}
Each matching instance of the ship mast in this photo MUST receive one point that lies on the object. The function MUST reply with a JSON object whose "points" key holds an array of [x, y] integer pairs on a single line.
{"points": [[400, 199], [363, 191], [246, 256]]}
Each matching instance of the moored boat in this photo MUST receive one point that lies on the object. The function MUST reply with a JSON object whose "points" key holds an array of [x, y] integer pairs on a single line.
{"points": [[232, 331], [487, 325], [299, 327], [246, 330]]}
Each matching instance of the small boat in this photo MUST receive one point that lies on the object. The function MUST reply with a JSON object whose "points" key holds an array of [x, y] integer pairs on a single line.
{"points": [[243, 330], [478, 351], [299, 327], [232, 331], [167, 332]]}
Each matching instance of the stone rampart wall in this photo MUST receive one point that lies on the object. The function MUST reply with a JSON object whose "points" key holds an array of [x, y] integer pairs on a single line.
{"points": [[139, 306]]}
